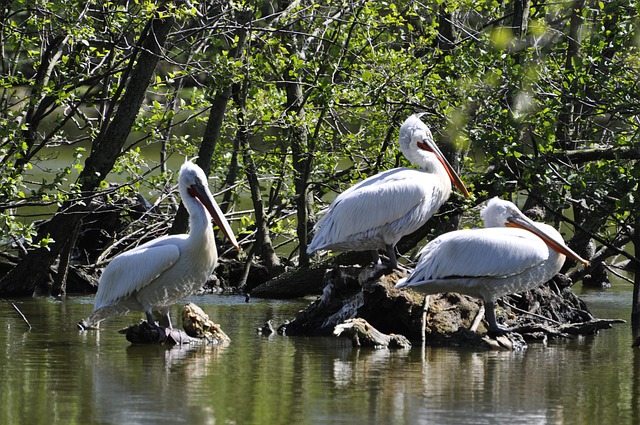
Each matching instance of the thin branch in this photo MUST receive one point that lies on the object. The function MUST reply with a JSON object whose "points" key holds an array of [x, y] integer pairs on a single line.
{"points": [[22, 315], [513, 307]]}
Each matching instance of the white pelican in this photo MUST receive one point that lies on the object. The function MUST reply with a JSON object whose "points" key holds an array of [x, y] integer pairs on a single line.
{"points": [[491, 262], [377, 212], [156, 275]]}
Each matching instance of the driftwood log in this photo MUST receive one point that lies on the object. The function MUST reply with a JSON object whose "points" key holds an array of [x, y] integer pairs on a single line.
{"points": [[295, 283], [363, 334], [350, 292], [198, 329]]}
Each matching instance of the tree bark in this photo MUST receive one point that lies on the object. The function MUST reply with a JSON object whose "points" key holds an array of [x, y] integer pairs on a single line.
{"points": [[214, 123], [263, 245], [35, 268], [520, 20], [446, 29], [297, 135]]}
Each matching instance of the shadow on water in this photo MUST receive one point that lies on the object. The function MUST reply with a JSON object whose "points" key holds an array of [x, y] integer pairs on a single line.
{"points": [[56, 374]]}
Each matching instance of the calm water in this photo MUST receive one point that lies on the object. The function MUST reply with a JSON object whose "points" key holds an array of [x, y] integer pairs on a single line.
{"points": [[56, 374]]}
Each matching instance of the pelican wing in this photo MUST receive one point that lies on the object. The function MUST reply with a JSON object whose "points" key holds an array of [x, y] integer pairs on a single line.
{"points": [[376, 202], [489, 252], [132, 270]]}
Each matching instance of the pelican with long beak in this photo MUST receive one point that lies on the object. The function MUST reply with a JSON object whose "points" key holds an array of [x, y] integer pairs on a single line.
{"points": [[510, 254], [154, 276], [377, 212]]}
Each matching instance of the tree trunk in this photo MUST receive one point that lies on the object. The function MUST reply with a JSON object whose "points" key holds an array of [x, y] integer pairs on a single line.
{"points": [[214, 123], [565, 124], [297, 135], [232, 176], [59, 286], [446, 29], [38, 100], [35, 267], [263, 245], [205, 153], [520, 20]]}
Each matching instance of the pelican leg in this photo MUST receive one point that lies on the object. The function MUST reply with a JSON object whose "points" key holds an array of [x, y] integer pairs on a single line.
{"points": [[150, 318], [168, 317], [490, 314], [393, 260], [376, 256]]}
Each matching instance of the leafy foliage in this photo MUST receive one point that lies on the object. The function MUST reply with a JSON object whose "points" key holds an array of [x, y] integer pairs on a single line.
{"points": [[519, 101]]}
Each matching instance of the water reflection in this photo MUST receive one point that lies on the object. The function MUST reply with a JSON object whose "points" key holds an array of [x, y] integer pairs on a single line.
{"points": [[55, 374], [152, 384]]}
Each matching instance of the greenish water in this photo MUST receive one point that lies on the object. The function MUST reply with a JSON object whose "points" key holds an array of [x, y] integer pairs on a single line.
{"points": [[55, 374]]}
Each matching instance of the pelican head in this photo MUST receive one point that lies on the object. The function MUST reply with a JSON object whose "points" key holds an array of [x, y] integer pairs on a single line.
{"points": [[498, 211], [417, 145], [194, 188], [501, 213]]}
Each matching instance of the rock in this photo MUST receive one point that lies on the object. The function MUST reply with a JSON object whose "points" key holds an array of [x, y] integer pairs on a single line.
{"points": [[144, 333], [197, 324], [267, 328]]}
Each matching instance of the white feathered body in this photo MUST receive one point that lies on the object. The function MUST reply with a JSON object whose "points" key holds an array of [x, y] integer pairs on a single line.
{"points": [[486, 263], [158, 274], [380, 210]]}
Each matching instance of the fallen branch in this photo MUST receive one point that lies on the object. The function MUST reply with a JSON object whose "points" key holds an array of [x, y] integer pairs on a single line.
{"points": [[568, 329], [478, 319], [363, 334]]}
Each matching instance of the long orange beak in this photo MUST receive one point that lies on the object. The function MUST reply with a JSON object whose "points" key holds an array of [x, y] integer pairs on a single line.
{"points": [[526, 224], [430, 146]]}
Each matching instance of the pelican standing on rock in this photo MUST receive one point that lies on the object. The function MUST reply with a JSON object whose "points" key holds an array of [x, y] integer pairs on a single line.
{"points": [[510, 254], [377, 212], [154, 276]]}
